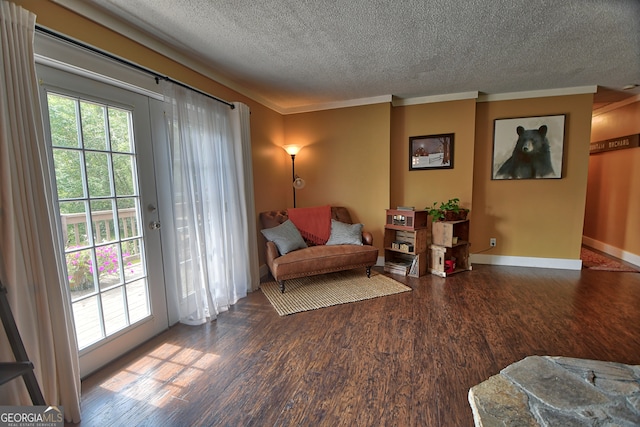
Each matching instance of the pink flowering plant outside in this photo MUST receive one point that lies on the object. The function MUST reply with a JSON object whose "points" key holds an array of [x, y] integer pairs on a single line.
{"points": [[80, 266]]}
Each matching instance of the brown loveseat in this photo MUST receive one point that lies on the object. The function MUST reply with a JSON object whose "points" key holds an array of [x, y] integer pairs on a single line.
{"points": [[317, 259]]}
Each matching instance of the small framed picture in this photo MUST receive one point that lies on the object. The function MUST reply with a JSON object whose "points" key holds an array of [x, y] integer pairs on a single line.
{"points": [[528, 147], [431, 152]]}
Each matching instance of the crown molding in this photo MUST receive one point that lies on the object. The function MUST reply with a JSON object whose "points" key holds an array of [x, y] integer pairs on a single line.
{"points": [[616, 105], [338, 104], [579, 90], [402, 102], [100, 17]]}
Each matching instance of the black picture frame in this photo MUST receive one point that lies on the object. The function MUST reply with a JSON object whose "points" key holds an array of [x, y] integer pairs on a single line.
{"points": [[431, 152], [528, 147]]}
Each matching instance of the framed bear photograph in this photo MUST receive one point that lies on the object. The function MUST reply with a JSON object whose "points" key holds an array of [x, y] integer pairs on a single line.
{"points": [[528, 147]]}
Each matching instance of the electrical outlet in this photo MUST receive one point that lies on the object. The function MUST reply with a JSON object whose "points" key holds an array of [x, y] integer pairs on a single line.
{"points": [[492, 242]]}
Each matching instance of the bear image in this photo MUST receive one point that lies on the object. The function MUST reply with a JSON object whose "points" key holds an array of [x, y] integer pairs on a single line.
{"points": [[531, 157]]}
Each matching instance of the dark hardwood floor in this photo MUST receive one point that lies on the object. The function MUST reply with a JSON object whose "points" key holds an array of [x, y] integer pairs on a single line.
{"points": [[403, 360]]}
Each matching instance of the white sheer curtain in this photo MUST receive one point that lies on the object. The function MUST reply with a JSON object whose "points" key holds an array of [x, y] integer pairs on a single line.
{"points": [[210, 225], [240, 121], [30, 257]]}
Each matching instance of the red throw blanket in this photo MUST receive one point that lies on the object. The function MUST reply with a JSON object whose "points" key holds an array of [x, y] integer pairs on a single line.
{"points": [[313, 223]]}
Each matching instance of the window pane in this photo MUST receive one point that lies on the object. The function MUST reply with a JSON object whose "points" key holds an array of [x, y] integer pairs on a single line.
{"points": [[98, 176], [94, 133], [108, 266], [67, 164], [119, 128], [73, 217], [63, 121], [87, 315], [128, 218], [103, 221], [124, 174], [114, 310], [80, 273], [138, 300], [132, 258]]}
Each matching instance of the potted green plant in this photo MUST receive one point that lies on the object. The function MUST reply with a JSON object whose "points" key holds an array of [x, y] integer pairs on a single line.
{"points": [[447, 211]]}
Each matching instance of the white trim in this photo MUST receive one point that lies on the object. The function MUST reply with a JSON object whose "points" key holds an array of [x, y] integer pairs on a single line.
{"points": [[616, 105], [68, 57], [612, 250], [338, 104], [95, 76], [579, 90], [516, 261], [401, 102]]}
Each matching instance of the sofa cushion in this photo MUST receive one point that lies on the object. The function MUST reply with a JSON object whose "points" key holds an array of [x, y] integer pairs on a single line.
{"points": [[286, 237], [323, 259], [345, 234]]}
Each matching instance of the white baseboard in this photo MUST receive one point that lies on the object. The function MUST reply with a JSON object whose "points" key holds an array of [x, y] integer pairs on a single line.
{"points": [[515, 261], [612, 250], [518, 261]]}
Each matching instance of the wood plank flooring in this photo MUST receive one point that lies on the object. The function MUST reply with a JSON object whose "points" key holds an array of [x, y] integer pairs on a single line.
{"points": [[402, 360]]}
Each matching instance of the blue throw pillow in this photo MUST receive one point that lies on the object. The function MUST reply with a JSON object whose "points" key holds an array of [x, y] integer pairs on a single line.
{"points": [[345, 234], [286, 237]]}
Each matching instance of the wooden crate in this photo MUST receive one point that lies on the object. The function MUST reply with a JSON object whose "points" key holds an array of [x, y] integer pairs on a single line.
{"points": [[443, 233], [406, 220], [418, 239], [440, 254], [397, 263]]}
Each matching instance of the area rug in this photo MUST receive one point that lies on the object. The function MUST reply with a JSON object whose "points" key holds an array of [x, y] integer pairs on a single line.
{"points": [[595, 261], [325, 290]]}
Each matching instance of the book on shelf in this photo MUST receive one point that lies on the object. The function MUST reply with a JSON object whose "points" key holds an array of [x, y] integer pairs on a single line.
{"points": [[396, 269], [400, 264]]}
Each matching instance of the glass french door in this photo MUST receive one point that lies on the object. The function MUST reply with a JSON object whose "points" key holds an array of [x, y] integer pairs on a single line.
{"points": [[100, 144]]}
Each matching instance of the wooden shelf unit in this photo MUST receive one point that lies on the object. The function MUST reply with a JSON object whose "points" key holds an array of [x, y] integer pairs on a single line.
{"points": [[406, 242], [450, 243]]}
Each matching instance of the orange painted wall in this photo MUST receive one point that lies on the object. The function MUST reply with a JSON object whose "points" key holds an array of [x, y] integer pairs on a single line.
{"points": [[420, 188], [613, 190], [539, 217], [345, 161]]}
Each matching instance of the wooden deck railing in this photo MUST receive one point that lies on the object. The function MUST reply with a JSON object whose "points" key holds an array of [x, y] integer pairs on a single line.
{"points": [[104, 227]]}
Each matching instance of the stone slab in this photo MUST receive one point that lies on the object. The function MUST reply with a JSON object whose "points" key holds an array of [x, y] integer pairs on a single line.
{"points": [[553, 391], [497, 399], [552, 384]]}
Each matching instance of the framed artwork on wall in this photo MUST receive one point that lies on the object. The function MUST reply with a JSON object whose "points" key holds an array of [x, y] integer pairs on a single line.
{"points": [[431, 152], [528, 147]]}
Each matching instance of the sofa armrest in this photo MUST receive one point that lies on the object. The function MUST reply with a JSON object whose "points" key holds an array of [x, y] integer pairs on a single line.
{"points": [[271, 252], [367, 238]]}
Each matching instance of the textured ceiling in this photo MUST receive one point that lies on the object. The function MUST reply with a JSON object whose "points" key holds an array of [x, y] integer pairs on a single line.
{"points": [[295, 53]]}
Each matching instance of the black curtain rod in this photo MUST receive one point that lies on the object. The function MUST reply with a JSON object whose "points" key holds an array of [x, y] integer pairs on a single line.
{"points": [[157, 76]]}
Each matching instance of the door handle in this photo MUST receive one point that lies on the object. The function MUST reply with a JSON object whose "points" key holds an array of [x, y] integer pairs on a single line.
{"points": [[154, 225]]}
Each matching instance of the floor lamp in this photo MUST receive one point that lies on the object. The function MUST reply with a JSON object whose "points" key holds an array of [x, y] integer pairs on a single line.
{"points": [[298, 183]]}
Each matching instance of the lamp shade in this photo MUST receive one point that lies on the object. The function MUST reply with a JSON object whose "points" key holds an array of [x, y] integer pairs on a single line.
{"points": [[298, 183], [292, 149]]}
